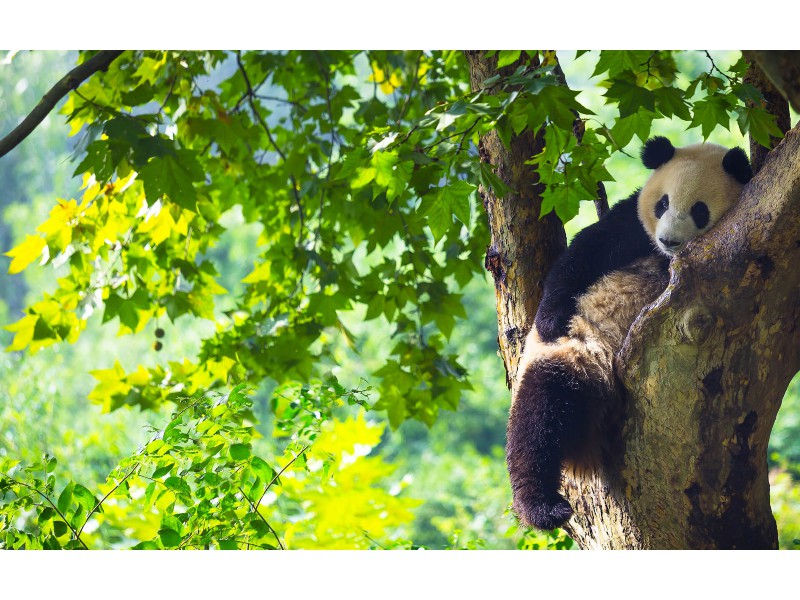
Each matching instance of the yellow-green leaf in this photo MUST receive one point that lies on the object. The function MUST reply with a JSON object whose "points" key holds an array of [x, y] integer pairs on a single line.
{"points": [[27, 252]]}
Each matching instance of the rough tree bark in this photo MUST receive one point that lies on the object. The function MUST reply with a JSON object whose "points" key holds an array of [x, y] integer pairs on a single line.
{"points": [[704, 367], [522, 247]]}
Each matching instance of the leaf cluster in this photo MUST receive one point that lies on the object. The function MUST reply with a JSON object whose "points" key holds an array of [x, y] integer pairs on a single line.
{"points": [[198, 483]]}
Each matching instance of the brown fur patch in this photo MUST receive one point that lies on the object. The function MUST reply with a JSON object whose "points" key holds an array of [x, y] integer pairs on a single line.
{"points": [[598, 329]]}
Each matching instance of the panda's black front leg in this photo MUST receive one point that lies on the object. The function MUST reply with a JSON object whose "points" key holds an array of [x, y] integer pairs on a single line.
{"points": [[547, 418]]}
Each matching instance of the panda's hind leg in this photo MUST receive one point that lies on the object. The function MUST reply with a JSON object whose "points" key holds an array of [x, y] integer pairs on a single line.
{"points": [[548, 417]]}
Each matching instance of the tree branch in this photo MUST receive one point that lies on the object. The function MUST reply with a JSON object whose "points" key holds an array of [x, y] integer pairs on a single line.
{"points": [[70, 81], [783, 69], [775, 104]]}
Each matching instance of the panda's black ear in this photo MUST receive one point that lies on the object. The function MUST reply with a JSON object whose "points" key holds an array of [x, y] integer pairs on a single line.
{"points": [[656, 151], [737, 165]]}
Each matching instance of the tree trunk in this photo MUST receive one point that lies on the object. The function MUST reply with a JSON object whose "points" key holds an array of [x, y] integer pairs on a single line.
{"points": [[704, 367], [523, 247]]}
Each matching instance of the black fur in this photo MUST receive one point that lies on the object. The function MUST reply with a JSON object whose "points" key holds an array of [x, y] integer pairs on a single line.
{"points": [[737, 165], [657, 151], [700, 214], [661, 206], [613, 242], [548, 416]]}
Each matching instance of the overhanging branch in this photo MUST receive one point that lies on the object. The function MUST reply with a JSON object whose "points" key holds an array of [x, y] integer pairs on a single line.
{"points": [[783, 69], [70, 81]]}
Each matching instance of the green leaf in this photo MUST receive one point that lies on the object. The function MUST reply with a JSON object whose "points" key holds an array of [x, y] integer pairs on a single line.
{"points": [[50, 463], [173, 176], [169, 537], [59, 527], [65, 498], [161, 471], [709, 113], [490, 180], [507, 57], [384, 163], [399, 181], [456, 196], [84, 497], [639, 124], [631, 97], [239, 451], [748, 93], [46, 515], [559, 103], [438, 208], [176, 484], [670, 102], [759, 124], [261, 468], [564, 199], [116, 306], [617, 61]]}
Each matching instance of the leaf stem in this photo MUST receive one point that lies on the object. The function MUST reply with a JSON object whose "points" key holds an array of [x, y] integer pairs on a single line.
{"points": [[114, 489]]}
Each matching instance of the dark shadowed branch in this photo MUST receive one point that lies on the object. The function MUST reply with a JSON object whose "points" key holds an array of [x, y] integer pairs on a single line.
{"points": [[70, 81], [783, 69]]}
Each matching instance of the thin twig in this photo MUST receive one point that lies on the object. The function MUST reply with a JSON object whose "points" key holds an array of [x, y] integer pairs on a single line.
{"points": [[324, 69], [404, 138], [114, 489], [297, 105], [373, 540], [172, 85], [265, 127], [286, 466], [254, 90], [255, 510], [456, 134], [411, 89], [460, 148], [70, 81], [417, 278], [714, 67]]}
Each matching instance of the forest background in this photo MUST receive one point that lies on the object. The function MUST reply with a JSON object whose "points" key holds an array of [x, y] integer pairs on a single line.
{"points": [[436, 480]]}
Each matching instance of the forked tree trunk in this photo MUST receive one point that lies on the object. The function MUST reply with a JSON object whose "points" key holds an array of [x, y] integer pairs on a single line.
{"points": [[704, 367]]}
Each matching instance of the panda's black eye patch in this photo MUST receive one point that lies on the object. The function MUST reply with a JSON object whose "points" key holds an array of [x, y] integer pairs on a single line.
{"points": [[700, 214], [662, 206]]}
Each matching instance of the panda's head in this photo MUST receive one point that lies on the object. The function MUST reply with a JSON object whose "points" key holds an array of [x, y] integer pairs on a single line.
{"points": [[691, 188]]}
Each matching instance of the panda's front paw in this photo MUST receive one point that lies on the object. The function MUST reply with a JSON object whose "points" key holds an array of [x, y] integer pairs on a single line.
{"points": [[552, 324], [543, 513]]}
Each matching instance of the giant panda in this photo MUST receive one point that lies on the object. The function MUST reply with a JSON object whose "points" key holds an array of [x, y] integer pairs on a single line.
{"points": [[594, 291]]}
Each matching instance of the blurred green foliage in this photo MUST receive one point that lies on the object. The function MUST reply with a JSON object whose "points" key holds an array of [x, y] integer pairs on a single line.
{"points": [[305, 224]]}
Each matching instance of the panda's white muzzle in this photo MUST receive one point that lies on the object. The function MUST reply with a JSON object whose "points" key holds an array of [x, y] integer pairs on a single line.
{"points": [[674, 230]]}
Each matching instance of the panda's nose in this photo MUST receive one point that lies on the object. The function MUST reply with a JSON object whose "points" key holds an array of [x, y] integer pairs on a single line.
{"points": [[669, 243]]}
